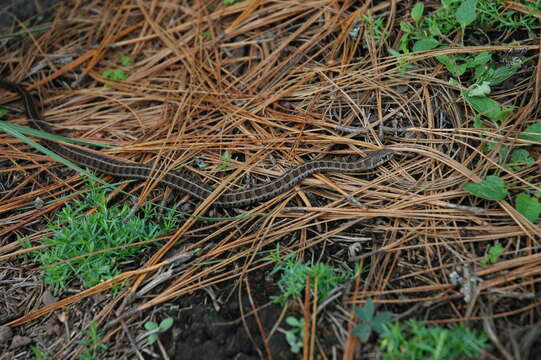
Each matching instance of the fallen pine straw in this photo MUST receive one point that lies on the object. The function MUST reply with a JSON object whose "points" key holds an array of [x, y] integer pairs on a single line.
{"points": [[273, 83]]}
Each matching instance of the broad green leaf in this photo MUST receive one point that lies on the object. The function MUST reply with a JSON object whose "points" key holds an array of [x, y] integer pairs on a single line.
{"points": [[532, 133], [482, 72], [152, 339], [291, 337], [293, 321], [491, 188], [522, 156], [425, 44], [477, 123], [489, 108], [501, 74], [150, 325], [366, 313], [528, 206], [452, 66], [417, 11], [166, 324], [466, 13], [481, 59], [382, 319]]}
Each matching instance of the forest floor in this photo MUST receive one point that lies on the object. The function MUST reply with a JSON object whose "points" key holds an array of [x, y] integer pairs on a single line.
{"points": [[431, 254]]}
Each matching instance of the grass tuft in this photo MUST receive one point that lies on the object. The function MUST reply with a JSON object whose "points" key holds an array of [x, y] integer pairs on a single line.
{"points": [[89, 225]]}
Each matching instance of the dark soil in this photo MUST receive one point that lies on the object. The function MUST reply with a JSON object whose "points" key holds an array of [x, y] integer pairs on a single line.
{"points": [[202, 331]]}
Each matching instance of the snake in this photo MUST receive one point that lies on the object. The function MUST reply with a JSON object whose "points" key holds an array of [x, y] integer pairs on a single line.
{"points": [[183, 181]]}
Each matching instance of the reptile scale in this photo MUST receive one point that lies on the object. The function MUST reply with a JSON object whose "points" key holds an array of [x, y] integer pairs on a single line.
{"points": [[181, 180]]}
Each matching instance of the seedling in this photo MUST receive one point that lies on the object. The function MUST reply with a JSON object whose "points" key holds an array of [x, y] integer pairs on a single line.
{"points": [[370, 321], [521, 158], [294, 274], [156, 329], [494, 253], [225, 162], [494, 187], [118, 74], [295, 335], [115, 74]]}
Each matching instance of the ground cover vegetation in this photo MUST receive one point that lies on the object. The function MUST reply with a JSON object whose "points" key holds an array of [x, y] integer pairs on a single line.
{"points": [[433, 255]]}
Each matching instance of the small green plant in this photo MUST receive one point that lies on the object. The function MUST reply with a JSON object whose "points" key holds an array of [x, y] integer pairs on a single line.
{"points": [[529, 206], [466, 13], [494, 187], [207, 35], [521, 158], [93, 345], [115, 74], [118, 74], [495, 14], [432, 31], [482, 77], [375, 25], [295, 335], [532, 133], [231, 2], [427, 32], [126, 60], [493, 256], [225, 162], [77, 233], [156, 329], [294, 274], [491, 188], [413, 341], [370, 321]]}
